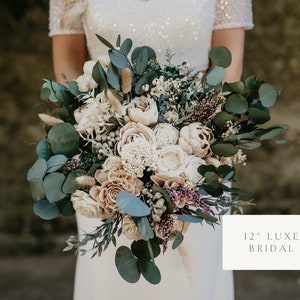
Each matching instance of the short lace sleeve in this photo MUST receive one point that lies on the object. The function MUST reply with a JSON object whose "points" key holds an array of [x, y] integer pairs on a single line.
{"points": [[57, 10], [233, 13]]}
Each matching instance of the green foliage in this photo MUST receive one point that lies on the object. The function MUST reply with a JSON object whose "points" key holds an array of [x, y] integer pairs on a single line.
{"points": [[63, 139], [132, 205], [45, 210], [220, 56], [127, 265], [53, 183]]}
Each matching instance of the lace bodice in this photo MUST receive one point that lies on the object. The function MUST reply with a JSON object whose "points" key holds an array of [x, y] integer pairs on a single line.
{"points": [[184, 27]]}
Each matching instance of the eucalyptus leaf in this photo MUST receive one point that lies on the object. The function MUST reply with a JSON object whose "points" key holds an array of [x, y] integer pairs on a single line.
{"points": [[70, 185], [281, 142], [224, 149], [118, 59], [53, 186], [177, 241], [236, 103], [206, 168], [273, 132], [74, 88], [137, 50], [142, 61], [45, 210], [145, 228], [127, 265], [38, 170], [221, 118], [140, 248], [149, 270], [105, 42], [226, 171], [212, 179], [147, 78], [99, 75], [65, 207], [132, 205], [55, 162], [118, 42], [259, 115], [42, 149], [251, 82], [220, 56], [113, 77], [37, 189], [267, 94], [215, 76], [251, 146], [215, 192], [61, 113], [206, 217], [126, 46], [235, 87], [63, 139], [190, 218]]}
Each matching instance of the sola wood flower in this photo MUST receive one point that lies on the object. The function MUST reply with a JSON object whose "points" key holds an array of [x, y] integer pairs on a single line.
{"points": [[130, 230], [92, 117], [143, 109], [131, 131], [171, 160], [85, 205], [165, 134], [111, 184], [85, 81], [196, 139]]}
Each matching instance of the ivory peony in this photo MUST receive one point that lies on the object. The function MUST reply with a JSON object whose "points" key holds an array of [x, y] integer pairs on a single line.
{"points": [[196, 139], [165, 135], [144, 110]]}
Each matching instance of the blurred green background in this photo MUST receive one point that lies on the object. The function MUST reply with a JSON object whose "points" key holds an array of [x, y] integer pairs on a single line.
{"points": [[32, 247]]}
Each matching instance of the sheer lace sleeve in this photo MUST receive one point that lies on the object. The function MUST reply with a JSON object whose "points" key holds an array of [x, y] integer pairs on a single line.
{"points": [[57, 10], [233, 13]]}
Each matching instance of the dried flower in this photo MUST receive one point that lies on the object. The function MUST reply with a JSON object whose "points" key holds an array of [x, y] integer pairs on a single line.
{"points": [[196, 139], [85, 205]]}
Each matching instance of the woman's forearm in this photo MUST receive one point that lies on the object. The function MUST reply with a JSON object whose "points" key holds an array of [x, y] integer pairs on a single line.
{"points": [[69, 54], [233, 39]]}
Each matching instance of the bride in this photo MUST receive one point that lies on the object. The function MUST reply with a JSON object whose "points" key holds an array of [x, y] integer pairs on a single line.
{"points": [[189, 28]]}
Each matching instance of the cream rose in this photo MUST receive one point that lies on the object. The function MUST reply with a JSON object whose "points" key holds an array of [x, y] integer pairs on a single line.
{"points": [[165, 134], [196, 139], [85, 205], [111, 184], [192, 164], [171, 160], [143, 109], [85, 81], [132, 131]]}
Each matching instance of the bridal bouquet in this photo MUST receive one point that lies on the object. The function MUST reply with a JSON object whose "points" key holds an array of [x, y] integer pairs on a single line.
{"points": [[146, 149]]}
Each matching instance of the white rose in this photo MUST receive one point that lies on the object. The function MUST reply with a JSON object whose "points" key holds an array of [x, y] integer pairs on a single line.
{"points": [[165, 134], [196, 139], [193, 162], [88, 67], [144, 110], [85, 81], [85, 205], [171, 160]]}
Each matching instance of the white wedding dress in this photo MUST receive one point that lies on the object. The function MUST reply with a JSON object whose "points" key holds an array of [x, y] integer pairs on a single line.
{"points": [[185, 26]]}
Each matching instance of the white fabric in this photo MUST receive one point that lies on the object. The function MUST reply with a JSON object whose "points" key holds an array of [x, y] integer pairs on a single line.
{"points": [[185, 27]]}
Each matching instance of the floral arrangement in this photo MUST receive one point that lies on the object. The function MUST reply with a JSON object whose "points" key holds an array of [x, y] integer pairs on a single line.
{"points": [[146, 149]]}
